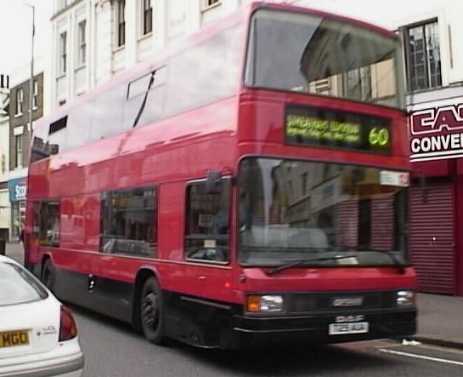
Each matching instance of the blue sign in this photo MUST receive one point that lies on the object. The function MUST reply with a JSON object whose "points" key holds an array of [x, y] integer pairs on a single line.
{"points": [[18, 189]]}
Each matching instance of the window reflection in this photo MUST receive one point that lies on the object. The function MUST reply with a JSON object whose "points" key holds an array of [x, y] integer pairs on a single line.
{"points": [[335, 208], [128, 222], [323, 56]]}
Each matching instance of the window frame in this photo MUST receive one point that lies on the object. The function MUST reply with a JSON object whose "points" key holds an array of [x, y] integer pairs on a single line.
{"points": [[63, 53], [35, 95], [120, 24], [155, 248], [406, 37], [146, 14], [38, 225], [19, 102], [225, 179], [206, 5], [19, 152], [82, 43]]}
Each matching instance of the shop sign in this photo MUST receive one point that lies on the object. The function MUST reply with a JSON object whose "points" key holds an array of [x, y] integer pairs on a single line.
{"points": [[436, 133], [18, 190]]}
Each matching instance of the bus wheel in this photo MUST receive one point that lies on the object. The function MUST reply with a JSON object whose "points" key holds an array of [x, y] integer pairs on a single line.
{"points": [[49, 275], [151, 313]]}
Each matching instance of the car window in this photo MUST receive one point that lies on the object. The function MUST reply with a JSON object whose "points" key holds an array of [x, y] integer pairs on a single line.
{"points": [[17, 286]]}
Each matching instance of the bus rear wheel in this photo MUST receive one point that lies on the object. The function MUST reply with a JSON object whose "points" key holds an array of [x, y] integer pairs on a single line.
{"points": [[151, 312]]}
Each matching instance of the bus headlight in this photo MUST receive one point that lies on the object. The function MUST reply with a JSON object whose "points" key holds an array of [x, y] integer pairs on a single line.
{"points": [[405, 298], [264, 304]]}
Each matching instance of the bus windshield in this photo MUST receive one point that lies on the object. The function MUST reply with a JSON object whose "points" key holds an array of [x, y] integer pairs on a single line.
{"points": [[321, 214], [322, 56]]}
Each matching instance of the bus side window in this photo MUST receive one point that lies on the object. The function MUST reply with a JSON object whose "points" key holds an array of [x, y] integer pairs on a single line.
{"points": [[207, 223], [128, 222], [49, 224]]}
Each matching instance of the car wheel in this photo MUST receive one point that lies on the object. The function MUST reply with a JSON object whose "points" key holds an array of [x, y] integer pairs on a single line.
{"points": [[151, 312], [49, 275]]}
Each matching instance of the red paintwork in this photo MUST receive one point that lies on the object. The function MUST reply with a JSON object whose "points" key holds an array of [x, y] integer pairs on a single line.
{"points": [[182, 148]]}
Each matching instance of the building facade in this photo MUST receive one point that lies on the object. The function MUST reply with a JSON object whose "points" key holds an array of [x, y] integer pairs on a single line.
{"points": [[93, 40], [433, 45], [19, 135], [4, 157]]}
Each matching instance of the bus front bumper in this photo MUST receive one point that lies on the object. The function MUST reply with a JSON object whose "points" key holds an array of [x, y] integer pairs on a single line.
{"points": [[251, 330]]}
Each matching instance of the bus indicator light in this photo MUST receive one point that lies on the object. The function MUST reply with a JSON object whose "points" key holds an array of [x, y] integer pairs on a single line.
{"points": [[253, 304]]}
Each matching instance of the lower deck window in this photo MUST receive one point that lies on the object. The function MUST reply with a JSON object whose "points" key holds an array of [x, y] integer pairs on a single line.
{"points": [[207, 223], [47, 223], [128, 222]]}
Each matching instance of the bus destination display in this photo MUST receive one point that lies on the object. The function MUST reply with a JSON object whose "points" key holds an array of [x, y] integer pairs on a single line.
{"points": [[340, 130]]}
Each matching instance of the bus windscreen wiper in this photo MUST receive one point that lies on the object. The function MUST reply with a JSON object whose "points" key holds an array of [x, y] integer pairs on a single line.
{"points": [[303, 262], [396, 261], [143, 104]]}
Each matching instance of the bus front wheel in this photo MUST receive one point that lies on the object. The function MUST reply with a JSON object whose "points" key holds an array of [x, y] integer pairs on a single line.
{"points": [[151, 312]]}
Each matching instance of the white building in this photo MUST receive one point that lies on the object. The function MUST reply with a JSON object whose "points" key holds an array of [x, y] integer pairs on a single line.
{"points": [[95, 39]]}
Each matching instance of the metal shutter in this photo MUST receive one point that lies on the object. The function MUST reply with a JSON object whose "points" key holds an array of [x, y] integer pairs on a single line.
{"points": [[432, 243], [382, 224]]}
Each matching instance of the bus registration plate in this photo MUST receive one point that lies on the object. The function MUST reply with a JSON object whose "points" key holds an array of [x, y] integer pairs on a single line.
{"points": [[348, 328]]}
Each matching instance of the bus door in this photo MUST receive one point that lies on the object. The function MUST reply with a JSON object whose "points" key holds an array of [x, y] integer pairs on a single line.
{"points": [[207, 235]]}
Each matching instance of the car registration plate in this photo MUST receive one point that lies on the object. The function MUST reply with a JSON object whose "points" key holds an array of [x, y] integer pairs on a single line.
{"points": [[14, 338], [348, 328]]}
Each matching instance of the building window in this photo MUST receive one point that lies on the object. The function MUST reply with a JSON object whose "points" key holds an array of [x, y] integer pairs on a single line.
{"points": [[19, 101], [128, 222], [207, 222], [82, 53], [63, 53], [35, 98], [147, 17], [210, 3], [120, 20], [47, 217], [3, 162], [423, 56], [19, 150]]}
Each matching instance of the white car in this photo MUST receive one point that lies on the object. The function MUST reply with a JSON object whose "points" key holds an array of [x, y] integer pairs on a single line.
{"points": [[38, 336]]}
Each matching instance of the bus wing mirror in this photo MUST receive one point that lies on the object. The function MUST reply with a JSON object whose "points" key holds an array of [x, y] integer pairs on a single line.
{"points": [[214, 182]]}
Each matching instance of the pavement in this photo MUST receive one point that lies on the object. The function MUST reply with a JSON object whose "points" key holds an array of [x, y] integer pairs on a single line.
{"points": [[440, 318]]}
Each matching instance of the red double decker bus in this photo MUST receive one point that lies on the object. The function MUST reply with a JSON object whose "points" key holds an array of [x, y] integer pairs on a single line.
{"points": [[248, 185]]}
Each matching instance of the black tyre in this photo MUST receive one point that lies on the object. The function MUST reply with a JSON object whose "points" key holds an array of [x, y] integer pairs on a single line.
{"points": [[151, 312], [48, 276]]}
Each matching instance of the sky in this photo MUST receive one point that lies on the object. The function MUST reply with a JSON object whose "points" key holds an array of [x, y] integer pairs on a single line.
{"points": [[16, 34]]}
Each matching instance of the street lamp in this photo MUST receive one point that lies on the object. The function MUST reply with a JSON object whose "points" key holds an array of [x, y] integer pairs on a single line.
{"points": [[31, 83]]}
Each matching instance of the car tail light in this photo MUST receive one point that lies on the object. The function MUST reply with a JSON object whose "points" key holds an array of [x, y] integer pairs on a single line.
{"points": [[67, 327]]}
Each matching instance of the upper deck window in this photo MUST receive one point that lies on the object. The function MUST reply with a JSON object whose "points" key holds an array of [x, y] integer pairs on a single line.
{"points": [[310, 54]]}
